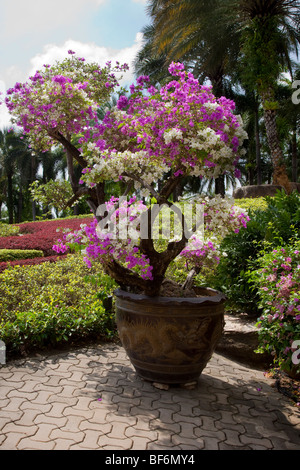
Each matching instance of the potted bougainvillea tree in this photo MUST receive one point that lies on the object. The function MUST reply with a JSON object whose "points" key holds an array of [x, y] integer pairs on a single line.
{"points": [[151, 142]]}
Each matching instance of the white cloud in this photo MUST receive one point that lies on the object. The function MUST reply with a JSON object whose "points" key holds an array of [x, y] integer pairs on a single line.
{"points": [[52, 52], [22, 18], [4, 114], [90, 51]]}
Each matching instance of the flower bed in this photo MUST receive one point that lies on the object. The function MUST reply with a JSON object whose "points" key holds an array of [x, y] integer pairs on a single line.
{"points": [[39, 236], [29, 262]]}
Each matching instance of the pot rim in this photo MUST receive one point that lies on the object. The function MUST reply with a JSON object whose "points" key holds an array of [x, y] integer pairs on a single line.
{"points": [[215, 297]]}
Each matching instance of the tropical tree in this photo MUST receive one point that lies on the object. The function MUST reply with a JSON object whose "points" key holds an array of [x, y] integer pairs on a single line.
{"points": [[220, 37], [149, 61], [14, 156], [270, 34], [289, 122], [42, 107], [195, 31]]}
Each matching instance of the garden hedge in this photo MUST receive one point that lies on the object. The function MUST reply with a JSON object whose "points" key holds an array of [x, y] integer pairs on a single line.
{"points": [[49, 304], [13, 255]]}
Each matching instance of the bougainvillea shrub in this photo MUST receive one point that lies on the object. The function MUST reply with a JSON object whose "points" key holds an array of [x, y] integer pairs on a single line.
{"points": [[178, 131], [278, 281]]}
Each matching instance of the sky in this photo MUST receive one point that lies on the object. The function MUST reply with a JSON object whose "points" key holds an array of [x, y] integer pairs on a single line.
{"points": [[37, 32]]}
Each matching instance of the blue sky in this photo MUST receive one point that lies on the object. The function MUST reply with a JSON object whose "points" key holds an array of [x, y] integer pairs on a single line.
{"points": [[35, 32]]}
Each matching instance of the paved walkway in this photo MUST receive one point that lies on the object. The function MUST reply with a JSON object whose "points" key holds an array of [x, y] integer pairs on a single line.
{"points": [[91, 398]]}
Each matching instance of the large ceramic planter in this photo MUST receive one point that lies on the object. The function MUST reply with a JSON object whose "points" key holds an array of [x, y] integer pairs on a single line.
{"points": [[170, 340]]}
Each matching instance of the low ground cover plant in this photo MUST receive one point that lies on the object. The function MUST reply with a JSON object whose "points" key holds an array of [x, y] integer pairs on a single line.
{"points": [[52, 303], [13, 255], [7, 230], [29, 262], [38, 236]]}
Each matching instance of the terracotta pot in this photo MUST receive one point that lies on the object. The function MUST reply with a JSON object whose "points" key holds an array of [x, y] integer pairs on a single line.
{"points": [[170, 340]]}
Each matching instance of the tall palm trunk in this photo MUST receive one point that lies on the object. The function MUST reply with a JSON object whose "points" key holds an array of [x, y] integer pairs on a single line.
{"points": [[280, 176], [10, 202], [34, 165], [257, 146], [216, 77], [294, 157]]}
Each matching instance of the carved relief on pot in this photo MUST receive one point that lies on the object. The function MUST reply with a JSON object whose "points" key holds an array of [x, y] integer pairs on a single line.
{"points": [[176, 342]]}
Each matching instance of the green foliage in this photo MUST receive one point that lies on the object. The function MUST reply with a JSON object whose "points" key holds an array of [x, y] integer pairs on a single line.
{"points": [[12, 255], [53, 193], [51, 303], [278, 224], [241, 250], [7, 230], [282, 218], [258, 203], [278, 282], [261, 66]]}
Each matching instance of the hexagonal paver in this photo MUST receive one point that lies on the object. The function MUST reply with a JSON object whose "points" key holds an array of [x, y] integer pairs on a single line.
{"points": [[92, 399]]}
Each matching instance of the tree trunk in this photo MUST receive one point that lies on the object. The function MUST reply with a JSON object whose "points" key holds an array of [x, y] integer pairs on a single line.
{"points": [[220, 185], [294, 158], [257, 148], [10, 202], [34, 165], [20, 204], [280, 176]]}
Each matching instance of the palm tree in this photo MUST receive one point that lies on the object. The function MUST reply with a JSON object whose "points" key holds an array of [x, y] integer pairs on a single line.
{"points": [[13, 153], [194, 32], [289, 123], [2, 189], [150, 62], [270, 34], [216, 36]]}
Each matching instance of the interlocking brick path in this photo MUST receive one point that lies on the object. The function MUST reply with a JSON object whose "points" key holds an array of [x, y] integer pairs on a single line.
{"points": [[91, 398]]}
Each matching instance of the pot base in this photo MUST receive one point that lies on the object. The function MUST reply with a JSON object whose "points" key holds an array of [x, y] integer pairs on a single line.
{"points": [[186, 386]]}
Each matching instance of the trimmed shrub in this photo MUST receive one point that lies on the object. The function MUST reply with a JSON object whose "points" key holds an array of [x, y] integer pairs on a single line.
{"points": [[30, 262], [12, 255], [258, 203], [7, 230], [51, 303]]}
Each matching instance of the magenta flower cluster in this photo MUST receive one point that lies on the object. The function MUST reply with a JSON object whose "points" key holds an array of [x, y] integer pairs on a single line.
{"points": [[60, 98], [105, 246], [201, 254], [182, 127], [180, 130]]}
